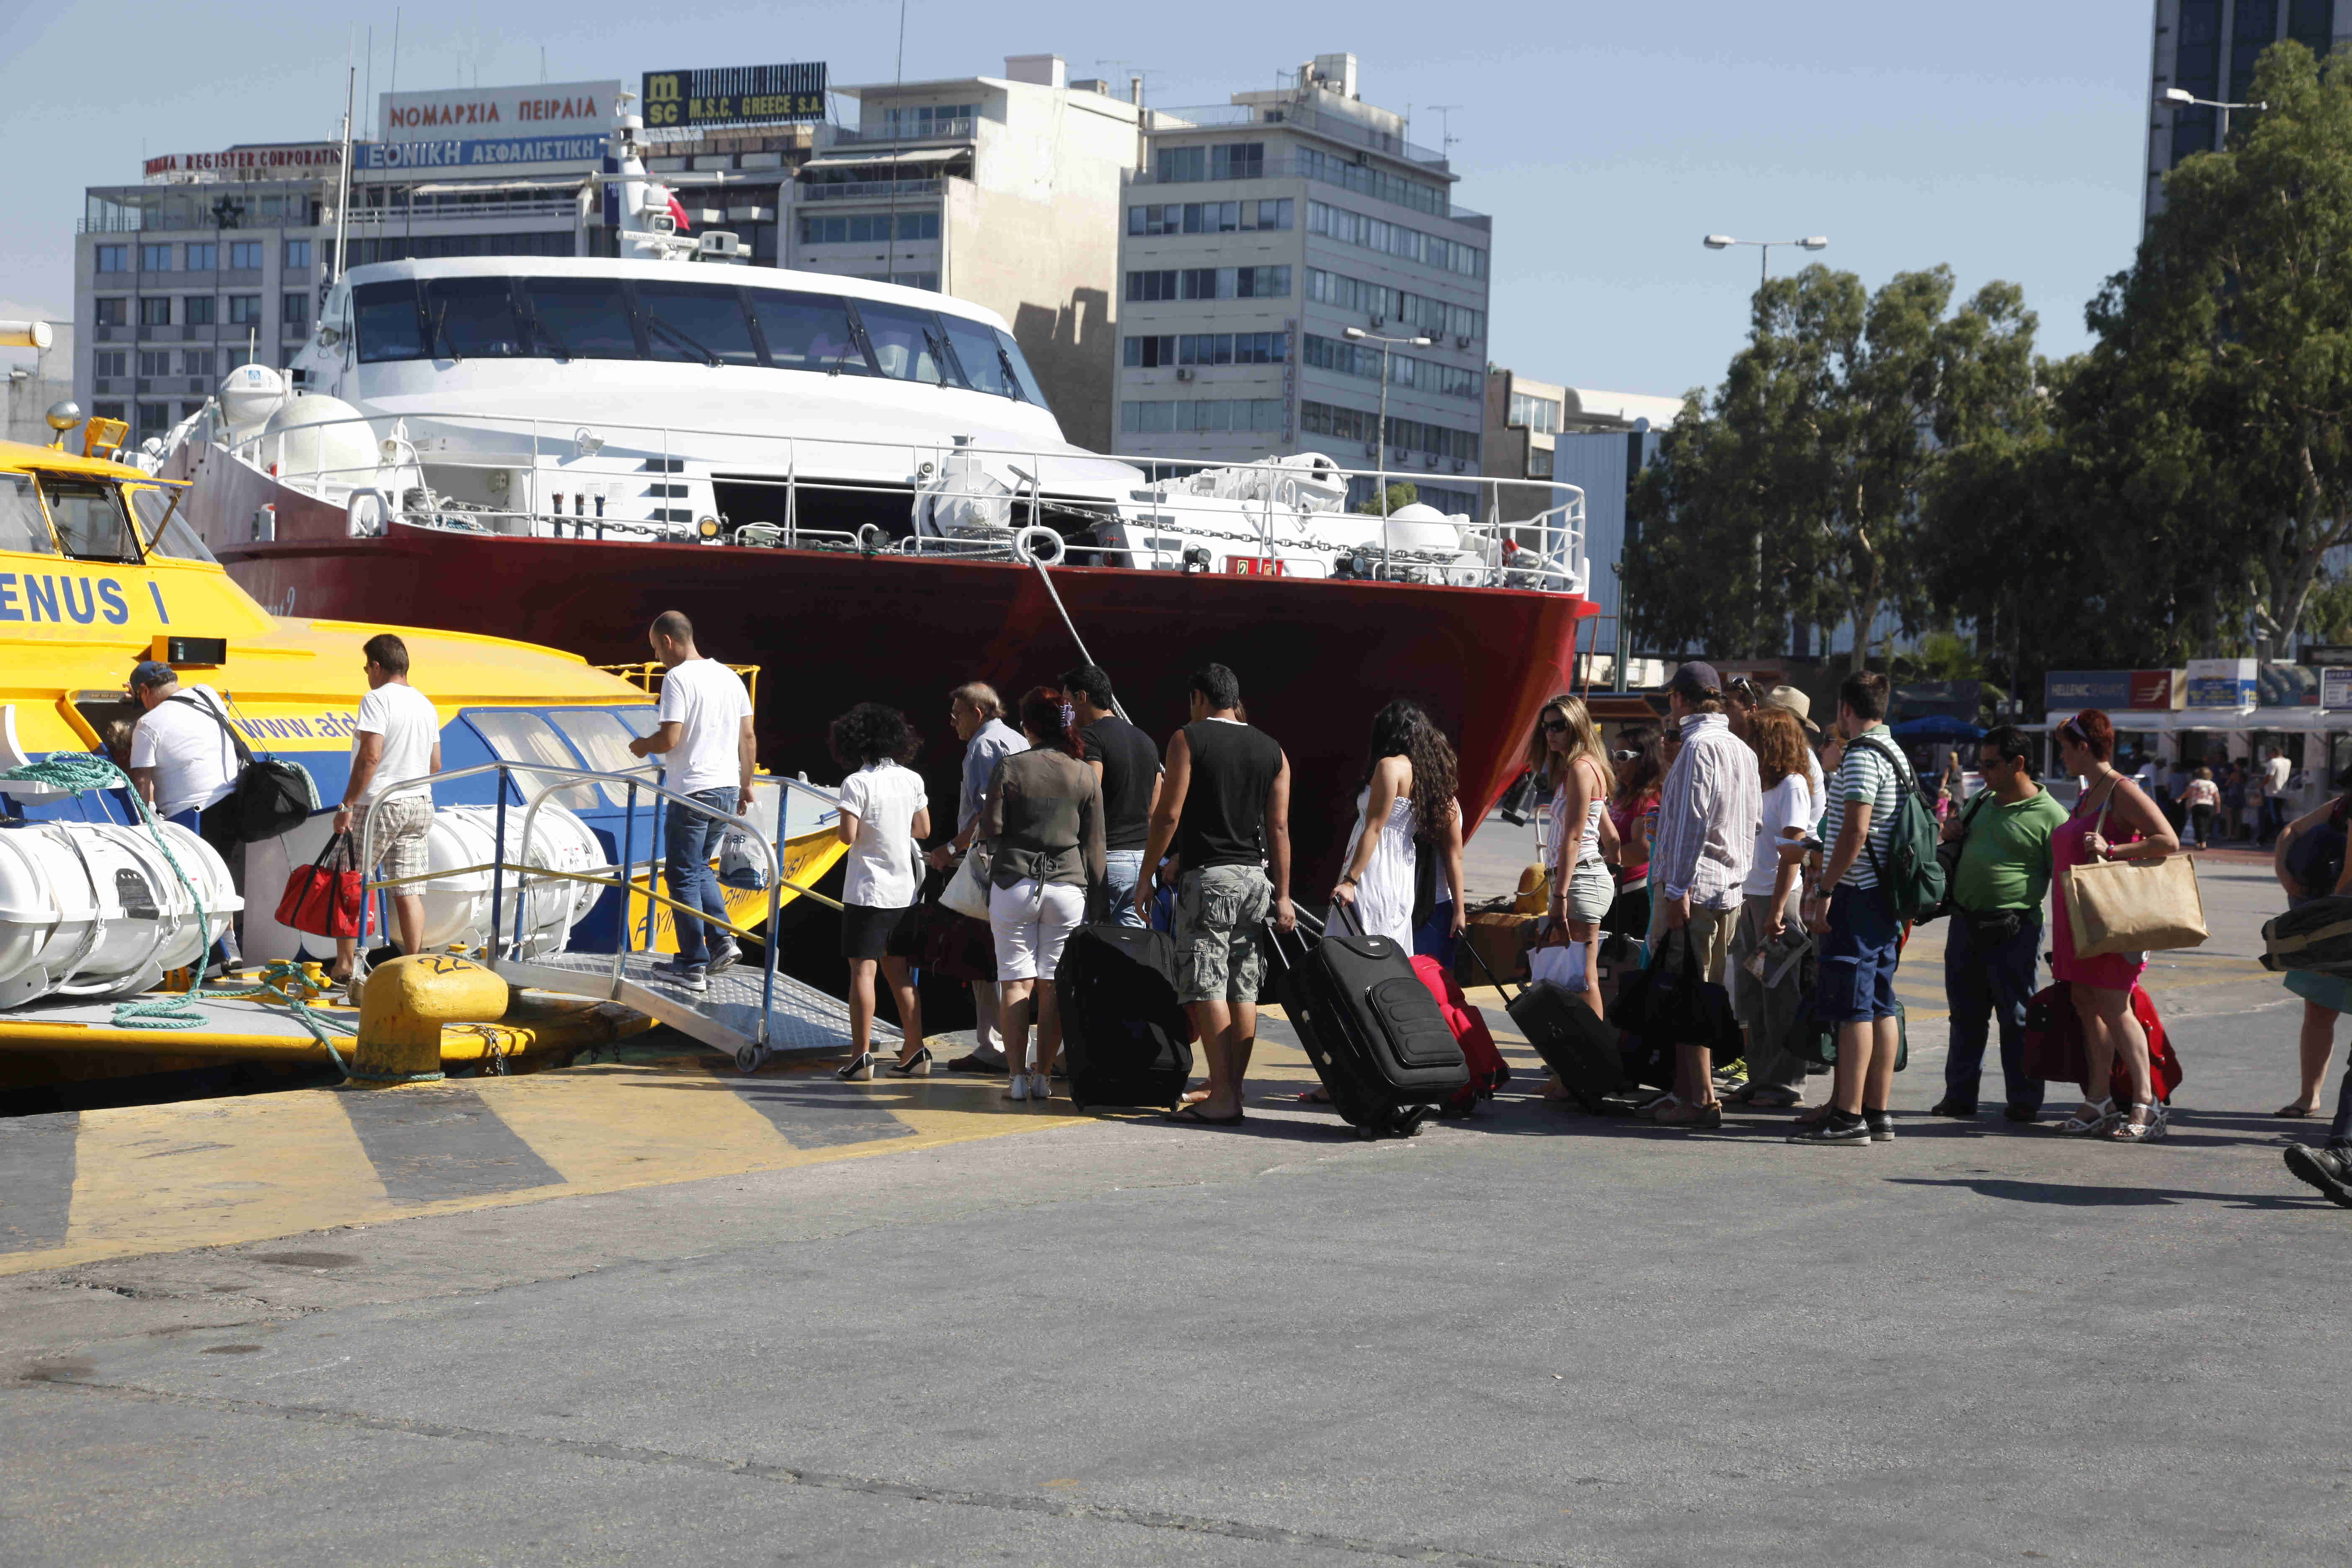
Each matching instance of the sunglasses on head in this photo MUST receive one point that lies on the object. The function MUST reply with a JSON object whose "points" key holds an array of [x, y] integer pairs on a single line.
{"points": [[1745, 689]]}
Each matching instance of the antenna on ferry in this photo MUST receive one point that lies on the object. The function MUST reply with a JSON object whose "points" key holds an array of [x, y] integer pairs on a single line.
{"points": [[343, 183]]}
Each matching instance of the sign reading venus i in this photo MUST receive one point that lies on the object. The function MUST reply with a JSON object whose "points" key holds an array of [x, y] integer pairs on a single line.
{"points": [[735, 95]]}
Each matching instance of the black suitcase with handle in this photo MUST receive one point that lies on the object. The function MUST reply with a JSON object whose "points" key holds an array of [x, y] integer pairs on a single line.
{"points": [[1376, 1036], [1582, 1050], [1125, 1039]]}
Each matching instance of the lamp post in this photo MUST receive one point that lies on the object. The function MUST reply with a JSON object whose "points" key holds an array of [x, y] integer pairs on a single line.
{"points": [[2182, 97], [1422, 341], [1764, 248]]}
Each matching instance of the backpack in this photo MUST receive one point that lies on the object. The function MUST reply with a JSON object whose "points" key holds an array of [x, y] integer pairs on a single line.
{"points": [[1912, 876]]}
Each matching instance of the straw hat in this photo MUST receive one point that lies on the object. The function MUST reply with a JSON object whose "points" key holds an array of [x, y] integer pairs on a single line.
{"points": [[1796, 703]]}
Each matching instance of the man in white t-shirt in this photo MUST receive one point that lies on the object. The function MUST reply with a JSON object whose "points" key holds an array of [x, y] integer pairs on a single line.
{"points": [[705, 737], [2276, 771], [182, 759], [396, 742]]}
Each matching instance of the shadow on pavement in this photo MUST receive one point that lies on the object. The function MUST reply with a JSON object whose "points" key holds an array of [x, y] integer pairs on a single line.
{"points": [[2063, 1195]]}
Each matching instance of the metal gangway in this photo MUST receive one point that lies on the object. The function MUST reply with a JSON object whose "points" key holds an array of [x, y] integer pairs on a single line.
{"points": [[747, 1014]]}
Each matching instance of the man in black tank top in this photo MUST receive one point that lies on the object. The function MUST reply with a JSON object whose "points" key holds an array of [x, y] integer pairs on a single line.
{"points": [[1224, 808]]}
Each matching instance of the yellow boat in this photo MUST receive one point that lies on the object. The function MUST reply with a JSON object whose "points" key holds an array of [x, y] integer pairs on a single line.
{"points": [[98, 572]]}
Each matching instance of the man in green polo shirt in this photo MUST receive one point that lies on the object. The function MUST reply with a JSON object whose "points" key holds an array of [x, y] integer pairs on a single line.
{"points": [[1996, 928]]}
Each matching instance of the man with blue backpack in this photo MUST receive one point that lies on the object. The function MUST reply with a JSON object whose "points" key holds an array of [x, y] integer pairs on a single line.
{"points": [[1881, 873]]}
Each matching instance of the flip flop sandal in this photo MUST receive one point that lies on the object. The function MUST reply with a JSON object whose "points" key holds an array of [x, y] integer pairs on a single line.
{"points": [[1191, 1115]]}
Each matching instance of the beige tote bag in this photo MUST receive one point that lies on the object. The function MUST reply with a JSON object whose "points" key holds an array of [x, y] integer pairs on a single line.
{"points": [[2134, 906]]}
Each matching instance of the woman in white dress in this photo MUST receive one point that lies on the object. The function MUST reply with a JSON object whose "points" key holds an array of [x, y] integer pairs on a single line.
{"points": [[1404, 808]]}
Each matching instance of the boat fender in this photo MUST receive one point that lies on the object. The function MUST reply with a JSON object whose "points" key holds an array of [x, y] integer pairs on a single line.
{"points": [[405, 1005]]}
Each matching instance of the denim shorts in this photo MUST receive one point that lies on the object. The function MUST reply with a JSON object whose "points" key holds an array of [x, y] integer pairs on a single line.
{"points": [[1859, 951]]}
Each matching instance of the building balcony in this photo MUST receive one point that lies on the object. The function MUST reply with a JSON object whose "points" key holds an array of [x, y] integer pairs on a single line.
{"points": [[867, 190], [940, 130], [1217, 115]]}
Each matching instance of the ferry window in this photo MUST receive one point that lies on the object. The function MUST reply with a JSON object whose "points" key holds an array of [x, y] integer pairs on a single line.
{"points": [[472, 318], [1022, 376], [579, 317], [528, 738], [89, 520], [977, 356], [602, 739], [698, 321], [388, 322], [22, 526], [808, 331], [906, 343], [167, 531]]}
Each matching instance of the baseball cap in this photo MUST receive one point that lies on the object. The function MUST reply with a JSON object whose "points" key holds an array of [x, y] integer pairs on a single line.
{"points": [[151, 672], [1697, 678]]}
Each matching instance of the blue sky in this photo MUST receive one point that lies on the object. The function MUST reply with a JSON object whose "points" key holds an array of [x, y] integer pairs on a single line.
{"points": [[2004, 138]]}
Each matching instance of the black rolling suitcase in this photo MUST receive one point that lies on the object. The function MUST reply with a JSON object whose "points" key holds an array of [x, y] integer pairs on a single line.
{"points": [[1572, 1039], [1125, 1039], [1376, 1036]]}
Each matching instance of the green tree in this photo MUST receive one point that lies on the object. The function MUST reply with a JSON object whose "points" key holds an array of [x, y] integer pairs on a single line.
{"points": [[1401, 493]]}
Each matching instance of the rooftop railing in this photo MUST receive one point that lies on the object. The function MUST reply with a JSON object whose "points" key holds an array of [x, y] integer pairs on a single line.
{"points": [[1306, 118], [867, 190]]}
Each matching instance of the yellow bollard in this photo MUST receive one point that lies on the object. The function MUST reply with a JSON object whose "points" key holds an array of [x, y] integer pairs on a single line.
{"points": [[403, 1009]]}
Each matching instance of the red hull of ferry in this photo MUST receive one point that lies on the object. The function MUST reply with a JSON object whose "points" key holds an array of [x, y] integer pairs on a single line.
{"points": [[1316, 659]]}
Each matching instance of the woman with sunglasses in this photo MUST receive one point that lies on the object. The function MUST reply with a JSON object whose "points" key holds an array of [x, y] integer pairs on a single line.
{"points": [[1567, 754], [2113, 820]]}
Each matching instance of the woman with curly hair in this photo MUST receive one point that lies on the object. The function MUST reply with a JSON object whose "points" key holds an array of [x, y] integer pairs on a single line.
{"points": [[1406, 805], [1044, 820], [883, 812]]}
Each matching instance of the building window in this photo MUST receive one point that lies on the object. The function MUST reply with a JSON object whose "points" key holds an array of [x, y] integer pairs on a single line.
{"points": [[1224, 161], [155, 362], [113, 311], [1211, 217], [1408, 435], [1538, 462], [1144, 288], [155, 418], [1433, 316], [930, 120], [298, 253], [195, 361], [110, 362], [1150, 354], [1395, 240], [1334, 170], [1405, 370], [1232, 348], [203, 257], [871, 228], [155, 311], [1540, 415], [114, 258], [245, 310], [1156, 417], [106, 410], [155, 259], [294, 310], [245, 256], [198, 309]]}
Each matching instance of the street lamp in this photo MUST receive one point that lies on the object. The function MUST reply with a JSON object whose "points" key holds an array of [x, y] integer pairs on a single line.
{"points": [[2182, 97], [1422, 341], [1764, 248]]}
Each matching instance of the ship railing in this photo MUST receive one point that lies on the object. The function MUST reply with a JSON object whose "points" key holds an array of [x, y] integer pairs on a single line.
{"points": [[533, 783], [1256, 502]]}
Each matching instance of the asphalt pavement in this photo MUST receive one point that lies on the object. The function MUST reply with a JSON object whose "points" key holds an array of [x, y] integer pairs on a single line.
{"points": [[1536, 1337]]}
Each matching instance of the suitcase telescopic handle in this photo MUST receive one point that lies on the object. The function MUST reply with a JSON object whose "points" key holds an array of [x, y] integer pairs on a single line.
{"points": [[1492, 978]]}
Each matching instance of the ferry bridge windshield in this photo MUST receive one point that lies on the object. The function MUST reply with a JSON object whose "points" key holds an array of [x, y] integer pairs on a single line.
{"points": [[458, 319]]}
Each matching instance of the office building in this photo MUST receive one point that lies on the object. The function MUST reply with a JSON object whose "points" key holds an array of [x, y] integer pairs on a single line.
{"points": [[1003, 191], [2210, 47], [1256, 233]]}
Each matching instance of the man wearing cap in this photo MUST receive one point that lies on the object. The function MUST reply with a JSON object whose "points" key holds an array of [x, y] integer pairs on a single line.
{"points": [[1708, 813], [182, 759]]}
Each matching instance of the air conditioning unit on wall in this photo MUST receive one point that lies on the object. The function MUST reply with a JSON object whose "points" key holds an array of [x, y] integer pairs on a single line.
{"points": [[1183, 373]]}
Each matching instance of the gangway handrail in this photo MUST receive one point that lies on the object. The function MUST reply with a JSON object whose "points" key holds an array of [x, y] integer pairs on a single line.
{"points": [[564, 777]]}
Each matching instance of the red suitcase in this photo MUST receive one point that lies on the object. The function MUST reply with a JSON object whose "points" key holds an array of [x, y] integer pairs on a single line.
{"points": [[1488, 1071]]}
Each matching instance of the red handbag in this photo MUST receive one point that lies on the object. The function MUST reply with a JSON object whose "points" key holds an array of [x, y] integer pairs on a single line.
{"points": [[2055, 1051], [322, 901]]}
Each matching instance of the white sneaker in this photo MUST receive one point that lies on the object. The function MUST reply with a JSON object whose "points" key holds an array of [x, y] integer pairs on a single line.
{"points": [[1041, 1088], [1018, 1087]]}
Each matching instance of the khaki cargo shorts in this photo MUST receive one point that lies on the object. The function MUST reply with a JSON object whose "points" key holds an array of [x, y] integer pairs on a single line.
{"points": [[397, 832], [1218, 913]]}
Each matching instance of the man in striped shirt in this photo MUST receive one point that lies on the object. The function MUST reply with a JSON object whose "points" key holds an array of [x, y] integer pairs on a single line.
{"points": [[1861, 938], [1708, 813]]}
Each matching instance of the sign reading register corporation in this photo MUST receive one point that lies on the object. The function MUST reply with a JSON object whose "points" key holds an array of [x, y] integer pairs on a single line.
{"points": [[735, 95]]}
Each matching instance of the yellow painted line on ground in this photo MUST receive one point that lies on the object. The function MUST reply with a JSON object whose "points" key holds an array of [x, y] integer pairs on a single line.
{"points": [[158, 1178], [611, 1126]]}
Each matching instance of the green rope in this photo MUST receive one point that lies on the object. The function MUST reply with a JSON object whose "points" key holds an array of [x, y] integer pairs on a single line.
{"points": [[79, 771]]}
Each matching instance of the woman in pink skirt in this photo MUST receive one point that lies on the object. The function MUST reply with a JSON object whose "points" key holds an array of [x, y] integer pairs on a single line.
{"points": [[2112, 820]]}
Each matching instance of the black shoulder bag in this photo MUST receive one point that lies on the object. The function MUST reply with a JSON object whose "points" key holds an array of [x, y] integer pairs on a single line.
{"points": [[269, 797]]}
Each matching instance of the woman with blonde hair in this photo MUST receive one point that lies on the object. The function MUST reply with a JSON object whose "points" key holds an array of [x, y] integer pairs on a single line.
{"points": [[1566, 753]]}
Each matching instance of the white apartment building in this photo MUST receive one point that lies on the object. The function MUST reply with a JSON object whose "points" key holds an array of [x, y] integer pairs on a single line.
{"points": [[1003, 191], [1256, 235], [2210, 47]]}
